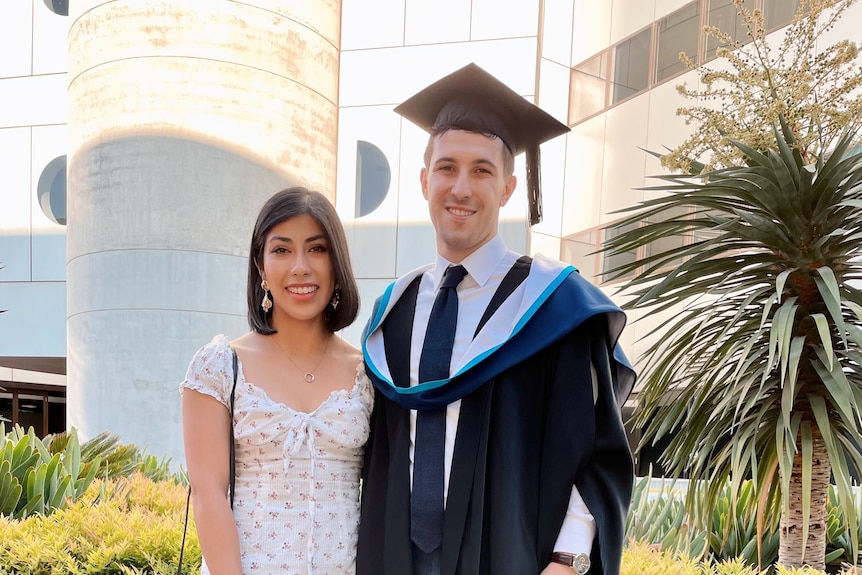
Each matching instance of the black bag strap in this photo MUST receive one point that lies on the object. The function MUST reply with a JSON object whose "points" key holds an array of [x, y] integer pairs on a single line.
{"points": [[232, 465], [232, 446], [185, 529]]}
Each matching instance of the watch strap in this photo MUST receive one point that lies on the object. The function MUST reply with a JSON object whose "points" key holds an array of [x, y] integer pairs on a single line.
{"points": [[580, 562]]}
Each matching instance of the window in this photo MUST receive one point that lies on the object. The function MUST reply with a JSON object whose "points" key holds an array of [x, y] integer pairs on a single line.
{"points": [[31, 413], [584, 250], [777, 13], [724, 16], [589, 89], [52, 190], [646, 59], [42, 407], [677, 33], [372, 178], [60, 7], [612, 261], [631, 65], [669, 243], [5, 408], [580, 251]]}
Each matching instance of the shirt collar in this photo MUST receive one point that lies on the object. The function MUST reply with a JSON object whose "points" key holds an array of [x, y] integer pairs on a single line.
{"points": [[480, 264]]}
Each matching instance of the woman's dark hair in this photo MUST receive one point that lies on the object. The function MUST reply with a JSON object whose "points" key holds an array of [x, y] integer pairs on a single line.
{"points": [[284, 205]]}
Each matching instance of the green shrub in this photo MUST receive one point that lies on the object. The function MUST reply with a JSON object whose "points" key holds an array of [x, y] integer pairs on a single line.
{"points": [[645, 559], [657, 518], [118, 459], [733, 530], [121, 526]]}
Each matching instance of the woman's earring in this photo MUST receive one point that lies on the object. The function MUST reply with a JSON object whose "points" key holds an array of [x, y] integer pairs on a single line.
{"points": [[266, 304], [336, 299]]}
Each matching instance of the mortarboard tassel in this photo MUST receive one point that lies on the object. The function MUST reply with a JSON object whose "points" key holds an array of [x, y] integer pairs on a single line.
{"points": [[534, 190]]}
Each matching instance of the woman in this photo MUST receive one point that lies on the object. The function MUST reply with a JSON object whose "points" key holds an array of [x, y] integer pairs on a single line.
{"points": [[301, 411]]}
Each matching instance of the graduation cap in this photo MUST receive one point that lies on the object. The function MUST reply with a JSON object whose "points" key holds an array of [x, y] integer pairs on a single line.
{"points": [[471, 99]]}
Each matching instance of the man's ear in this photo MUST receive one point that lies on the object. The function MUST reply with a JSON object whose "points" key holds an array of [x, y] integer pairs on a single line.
{"points": [[510, 189], [423, 179]]}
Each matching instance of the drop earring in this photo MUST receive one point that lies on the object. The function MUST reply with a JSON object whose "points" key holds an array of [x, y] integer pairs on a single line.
{"points": [[266, 304], [336, 299]]}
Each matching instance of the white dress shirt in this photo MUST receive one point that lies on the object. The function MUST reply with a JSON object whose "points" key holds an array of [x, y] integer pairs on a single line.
{"points": [[486, 268]]}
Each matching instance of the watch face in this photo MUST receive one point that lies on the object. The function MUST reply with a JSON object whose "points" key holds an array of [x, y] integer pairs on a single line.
{"points": [[581, 563]]}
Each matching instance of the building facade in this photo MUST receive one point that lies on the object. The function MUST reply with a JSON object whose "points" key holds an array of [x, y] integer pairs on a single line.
{"points": [[176, 121]]}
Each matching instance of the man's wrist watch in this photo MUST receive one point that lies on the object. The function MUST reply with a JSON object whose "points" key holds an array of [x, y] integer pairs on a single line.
{"points": [[580, 562]]}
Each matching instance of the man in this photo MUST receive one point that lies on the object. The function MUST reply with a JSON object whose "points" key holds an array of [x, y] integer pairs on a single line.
{"points": [[511, 457]]}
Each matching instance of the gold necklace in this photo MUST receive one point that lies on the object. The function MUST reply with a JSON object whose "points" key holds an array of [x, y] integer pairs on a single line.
{"points": [[308, 375]]}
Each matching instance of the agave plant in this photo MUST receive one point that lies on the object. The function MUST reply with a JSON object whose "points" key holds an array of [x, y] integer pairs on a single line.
{"points": [[759, 370], [34, 480]]}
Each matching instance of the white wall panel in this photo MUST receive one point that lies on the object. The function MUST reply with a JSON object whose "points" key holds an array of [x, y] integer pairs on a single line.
{"points": [[49, 255], [373, 248], [369, 291], [504, 19], [377, 24], [49, 238], [544, 244], [556, 37], [666, 7], [15, 205], [26, 332], [412, 206], [380, 126], [390, 76], [50, 40], [372, 237], [16, 38], [554, 89], [584, 160], [33, 101], [553, 183], [624, 162], [14, 256], [666, 129], [629, 16], [592, 29], [416, 246], [436, 22], [846, 27]]}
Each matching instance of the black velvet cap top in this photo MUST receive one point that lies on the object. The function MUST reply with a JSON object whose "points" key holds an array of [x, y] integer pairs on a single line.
{"points": [[471, 99]]}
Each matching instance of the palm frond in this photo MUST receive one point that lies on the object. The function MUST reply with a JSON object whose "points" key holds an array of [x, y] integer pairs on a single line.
{"points": [[763, 350]]}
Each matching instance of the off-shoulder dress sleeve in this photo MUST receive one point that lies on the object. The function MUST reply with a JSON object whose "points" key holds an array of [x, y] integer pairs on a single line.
{"points": [[211, 370]]}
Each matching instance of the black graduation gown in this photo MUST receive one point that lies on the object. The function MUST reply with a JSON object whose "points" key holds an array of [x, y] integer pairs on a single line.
{"points": [[526, 434]]}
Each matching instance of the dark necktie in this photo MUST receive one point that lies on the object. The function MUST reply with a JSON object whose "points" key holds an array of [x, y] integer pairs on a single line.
{"points": [[426, 501]]}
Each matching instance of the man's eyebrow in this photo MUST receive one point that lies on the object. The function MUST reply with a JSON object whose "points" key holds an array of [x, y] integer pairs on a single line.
{"points": [[474, 162]]}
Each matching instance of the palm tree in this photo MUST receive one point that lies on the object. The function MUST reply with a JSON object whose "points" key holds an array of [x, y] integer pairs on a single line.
{"points": [[760, 371]]}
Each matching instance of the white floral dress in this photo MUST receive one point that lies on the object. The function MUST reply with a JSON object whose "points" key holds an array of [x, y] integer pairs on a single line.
{"points": [[297, 474]]}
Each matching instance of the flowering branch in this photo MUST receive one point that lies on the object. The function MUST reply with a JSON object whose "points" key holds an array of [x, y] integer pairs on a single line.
{"points": [[815, 91]]}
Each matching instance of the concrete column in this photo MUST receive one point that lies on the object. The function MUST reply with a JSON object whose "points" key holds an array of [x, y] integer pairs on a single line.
{"points": [[184, 117]]}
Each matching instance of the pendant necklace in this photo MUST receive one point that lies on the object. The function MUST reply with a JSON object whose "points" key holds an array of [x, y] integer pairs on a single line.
{"points": [[308, 375]]}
